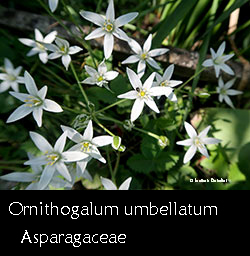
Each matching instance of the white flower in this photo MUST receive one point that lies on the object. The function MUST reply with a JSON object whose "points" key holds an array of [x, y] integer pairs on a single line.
{"points": [[53, 158], [196, 142], [225, 91], [34, 177], [166, 82], [38, 44], [35, 102], [218, 60], [144, 55], [87, 144], [109, 185], [143, 93], [10, 77], [101, 76], [109, 27], [62, 49], [53, 5]]}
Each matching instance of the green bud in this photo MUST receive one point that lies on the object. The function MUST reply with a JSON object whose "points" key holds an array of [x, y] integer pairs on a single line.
{"points": [[163, 141], [116, 142], [122, 148]]}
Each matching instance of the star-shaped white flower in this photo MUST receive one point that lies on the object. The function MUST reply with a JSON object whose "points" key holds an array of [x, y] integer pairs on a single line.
{"points": [[87, 144], [62, 49], [142, 94], [38, 44], [224, 91], [101, 76], [53, 158], [10, 77], [109, 27], [166, 82], [218, 60], [53, 5], [196, 141], [109, 185], [34, 102], [144, 55]]}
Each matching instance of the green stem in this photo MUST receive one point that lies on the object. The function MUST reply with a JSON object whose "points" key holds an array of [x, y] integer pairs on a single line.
{"points": [[80, 86], [103, 127], [110, 106], [191, 78], [116, 165], [110, 165]]}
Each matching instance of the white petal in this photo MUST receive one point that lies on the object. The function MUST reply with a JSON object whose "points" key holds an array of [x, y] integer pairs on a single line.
{"points": [[129, 95], [43, 56], [42, 92], [210, 141], [37, 161], [217, 70], [214, 55], [228, 101], [149, 82], [227, 57], [97, 155], [125, 185], [72, 134], [110, 75], [20, 96], [102, 68], [62, 43], [172, 97], [93, 17], [203, 151], [134, 79], [204, 132], [220, 82], [232, 92], [74, 156], [19, 113], [173, 83], [30, 84], [46, 176], [4, 86], [126, 18], [131, 59], [89, 80], [8, 65], [19, 177], [38, 35], [152, 105], [189, 154], [135, 46], [110, 13], [66, 59], [81, 166], [91, 71], [208, 63], [108, 45], [160, 90], [51, 106], [153, 63], [41, 142], [88, 133], [141, 67], [147, 44], [190, 130], [99, 32], [108, 184], [230, 83], [27, 42], [187, 142], [157, 52], [60, 143], [168, 72], [101, 141], [37, 114], [33, 52], [63, 170], [119, 33], [221, 49], [227, 69], [221, 98], [50, 37], [54, 55], [136, 109], [53, 5]]}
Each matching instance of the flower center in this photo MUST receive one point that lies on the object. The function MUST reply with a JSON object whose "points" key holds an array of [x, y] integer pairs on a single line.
{"points": [[85, 146], [108, 26], [100, 78], [144, 56], [52, 159], [11, 78], [141, 93], [198, 143], [165, 83], [32, 101], [219, 60], [223, 91], [40, 46]]}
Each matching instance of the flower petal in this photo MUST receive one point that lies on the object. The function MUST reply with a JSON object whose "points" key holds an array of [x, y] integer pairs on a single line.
{"points": [[27, 42], [43, 56], [91, 71], [74, 49], [131, 59], [126, 18], [50, 37], [46, 176], [108, 184], [54, 55], [19, 177], [189, 154], [89, 80], [153, 63], [53, 5], [227, 69], [187, 142], [110, 75], [221, 49], [93, 17], [19, 113], [229, 83], [125, 185], [108, 45], [128, 95], [210, 141], [73, 156], [168, 72], [152, 105], [60, 143], [41, 142], [149, 82], [160, 90], [228, 101], [110, 13], [157, 52], [101, 141], [134, 79], [99, 32], [217, 70], [30, 84], [119, 33], [33, 52], [147, 43], [37, 161], [135, 46], [204, 132], [232, 92], [51, 106], [72, 134], [88, 133], [37, 114], [42, 92], [141, 67], [208, 63], [190, 130], [63, 170], [203, 151], [66, 59], [38, 35], [20, 96], [136, 109], [4, 86]]}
